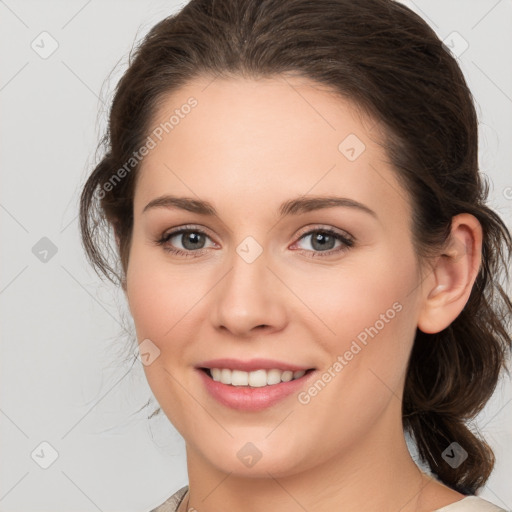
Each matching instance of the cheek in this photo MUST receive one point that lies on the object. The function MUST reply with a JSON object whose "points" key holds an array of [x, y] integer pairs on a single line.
{"points": [[145, 306], [366, 313], [159, 302], [163, 297], [371, 312], [355, 297], [151, 297]]}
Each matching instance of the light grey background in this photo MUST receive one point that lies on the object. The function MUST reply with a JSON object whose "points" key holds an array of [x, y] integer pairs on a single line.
{"points": [[63, 378]]}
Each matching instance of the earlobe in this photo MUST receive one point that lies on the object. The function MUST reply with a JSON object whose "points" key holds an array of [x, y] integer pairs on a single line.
{"points": [[449, 285]]}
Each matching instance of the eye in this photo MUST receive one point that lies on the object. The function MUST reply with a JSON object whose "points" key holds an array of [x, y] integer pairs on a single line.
{"points": [[192, 240], [323, 242]]}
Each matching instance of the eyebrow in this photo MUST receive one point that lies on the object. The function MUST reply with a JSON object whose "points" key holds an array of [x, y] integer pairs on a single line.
{"points": [[290, 207]]}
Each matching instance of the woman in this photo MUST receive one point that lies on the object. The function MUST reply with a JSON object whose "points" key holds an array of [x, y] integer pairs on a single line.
{"points": [[307, 255]]}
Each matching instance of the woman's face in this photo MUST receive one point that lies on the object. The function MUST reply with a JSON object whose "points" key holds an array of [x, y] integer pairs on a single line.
{"points": [[259, 278]]}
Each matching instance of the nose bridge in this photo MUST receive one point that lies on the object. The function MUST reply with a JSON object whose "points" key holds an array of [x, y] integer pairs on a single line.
{"points": [[248, 295]]}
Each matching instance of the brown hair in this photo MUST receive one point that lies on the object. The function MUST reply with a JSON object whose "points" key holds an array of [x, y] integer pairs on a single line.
{"points": [[388, 61]]}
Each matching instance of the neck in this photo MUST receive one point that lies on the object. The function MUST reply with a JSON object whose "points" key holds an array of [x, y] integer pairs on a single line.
{"points": [[377, 473]]}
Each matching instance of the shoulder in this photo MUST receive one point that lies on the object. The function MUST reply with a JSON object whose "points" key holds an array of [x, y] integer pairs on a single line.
{"points": [[172, 503], [467, 504], [471, 504]]}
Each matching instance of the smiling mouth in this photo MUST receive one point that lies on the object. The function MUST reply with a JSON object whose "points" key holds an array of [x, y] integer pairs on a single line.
{"points": [[254, 379]]}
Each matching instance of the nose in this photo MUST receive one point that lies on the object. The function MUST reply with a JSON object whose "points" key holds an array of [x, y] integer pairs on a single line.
{"points": [[249, 299]]}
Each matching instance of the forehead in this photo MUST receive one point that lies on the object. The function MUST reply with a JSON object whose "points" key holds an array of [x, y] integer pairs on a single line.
{"points": [[260, 139]]}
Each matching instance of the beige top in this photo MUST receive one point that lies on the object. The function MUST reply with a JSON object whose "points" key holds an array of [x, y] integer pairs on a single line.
{"points": [[467, 504]]}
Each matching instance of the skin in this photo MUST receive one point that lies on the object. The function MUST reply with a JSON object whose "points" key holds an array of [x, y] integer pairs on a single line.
{"points": [[246, 147]]}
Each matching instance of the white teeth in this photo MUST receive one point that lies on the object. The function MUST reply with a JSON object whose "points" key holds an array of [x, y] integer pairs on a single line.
{"points": [[238, 378], [273, 376], [225, 376], [257, 378], [287, 376], [254, 379]]}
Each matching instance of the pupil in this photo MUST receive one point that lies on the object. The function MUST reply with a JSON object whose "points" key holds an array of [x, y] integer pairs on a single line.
{"points": [[191, 239], [326, 239]]}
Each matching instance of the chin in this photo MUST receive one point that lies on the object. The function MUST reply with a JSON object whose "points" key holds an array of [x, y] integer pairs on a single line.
{"points": [[256, 459]]}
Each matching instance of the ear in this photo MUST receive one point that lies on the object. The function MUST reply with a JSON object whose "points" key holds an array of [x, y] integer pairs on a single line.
{"points": [[448, 287]]}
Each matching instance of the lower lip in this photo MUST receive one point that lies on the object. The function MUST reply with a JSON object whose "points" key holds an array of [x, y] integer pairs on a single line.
{"points": [[246, 398]]}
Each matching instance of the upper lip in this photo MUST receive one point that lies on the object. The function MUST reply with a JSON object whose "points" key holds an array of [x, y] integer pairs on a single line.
{"points": [[251, 364]]}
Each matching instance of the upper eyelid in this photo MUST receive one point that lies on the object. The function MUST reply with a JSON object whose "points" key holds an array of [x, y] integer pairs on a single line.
{"points": [[181, 229], [321, 227]]}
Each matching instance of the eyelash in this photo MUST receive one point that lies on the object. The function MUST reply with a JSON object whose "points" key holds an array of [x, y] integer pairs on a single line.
{"points": [[347, 241]]}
